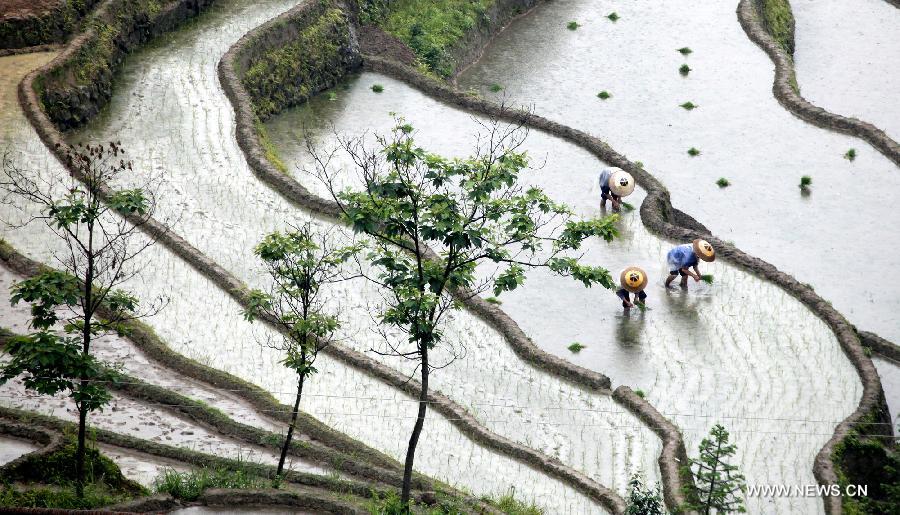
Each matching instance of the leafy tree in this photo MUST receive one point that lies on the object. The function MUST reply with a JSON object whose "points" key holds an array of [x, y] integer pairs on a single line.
{"points": [[717, 485], [642, 500], [434, 220], [81, 301], [300, 263]]}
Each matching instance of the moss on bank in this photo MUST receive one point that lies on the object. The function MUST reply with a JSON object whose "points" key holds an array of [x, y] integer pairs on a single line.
{"points": [[778, 19], [45, 481], [432, 28], [869, 460], [288, 75], [51, 26]]}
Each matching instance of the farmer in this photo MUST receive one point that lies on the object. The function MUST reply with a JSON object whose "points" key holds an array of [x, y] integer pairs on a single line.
{"points": [[615, 183], [684, 257], [632, 280]]}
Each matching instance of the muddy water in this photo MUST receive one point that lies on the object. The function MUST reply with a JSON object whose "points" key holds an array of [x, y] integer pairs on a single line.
{"points": [[846, 58], [113, 349], [226, 212], [149, 422], [832, 239], [11, 448], [140, 467], [738, 352]]}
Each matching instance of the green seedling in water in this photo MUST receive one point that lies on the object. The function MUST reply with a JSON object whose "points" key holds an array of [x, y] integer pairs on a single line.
{"points": [[613, 16], [690, 106], [639, 393], [707, 278], [685, 50], [851, 154], [723, 182], [496, 88], [627, 207], [684, 70], [332, 96], [693, 152], [493, 300], [377, 88], [576, 347], [639, 164], [603, 95], [573, 25], [805, 181]]}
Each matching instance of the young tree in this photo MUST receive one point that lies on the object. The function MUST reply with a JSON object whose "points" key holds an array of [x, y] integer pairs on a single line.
{"points": [[434, 220], [80, 301], [717, 484], [642, 500], [300, 263]]}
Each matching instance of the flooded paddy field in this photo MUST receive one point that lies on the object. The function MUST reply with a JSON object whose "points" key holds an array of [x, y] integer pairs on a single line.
{"points": [[740, 352], [846, 58], [742, 132], [210, 188], [11, 448]]}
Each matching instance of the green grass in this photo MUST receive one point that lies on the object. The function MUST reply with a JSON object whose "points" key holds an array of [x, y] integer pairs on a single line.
{"points": [[496, 88], [613, 16], [707, 278], [331, 96], [690, 106], [779, 19], [572, 25], [723, 182], [685, 50], [639, 393], [509, 505], [603, 95], [850, 155], [188, 486], [61, 498], [377, 88], [684, 70], [805, 181], [494, 300], [627, 207], [269, 148], [576, 347], [432, 28], [693, 152]]}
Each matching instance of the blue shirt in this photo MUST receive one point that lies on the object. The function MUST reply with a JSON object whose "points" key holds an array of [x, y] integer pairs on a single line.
{"points": [[681, 256], [604, 179]]}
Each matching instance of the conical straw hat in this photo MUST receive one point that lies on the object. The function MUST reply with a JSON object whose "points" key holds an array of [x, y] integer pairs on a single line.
{"points": [[633, 279], [621, 183], [704, 250]]}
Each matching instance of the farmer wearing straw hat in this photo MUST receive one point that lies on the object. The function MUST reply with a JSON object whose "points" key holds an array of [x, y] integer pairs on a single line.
{"points": [[615, 183], [633, 280], [684, 257]]}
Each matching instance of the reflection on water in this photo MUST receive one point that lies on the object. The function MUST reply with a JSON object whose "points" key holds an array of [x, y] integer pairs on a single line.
{"points": [[738, 351]]}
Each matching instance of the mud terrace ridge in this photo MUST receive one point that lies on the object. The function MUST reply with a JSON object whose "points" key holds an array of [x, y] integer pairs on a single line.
{"points": [[784, 90]]}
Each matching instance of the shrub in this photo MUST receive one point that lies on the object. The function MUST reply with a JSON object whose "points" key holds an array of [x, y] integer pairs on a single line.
{"points": [[684, 70], [851, 154], [572, 25], [685, 50], [603, 95], [693, 152], [689, 106], [723, 182], [613, 16], [576, 347]]}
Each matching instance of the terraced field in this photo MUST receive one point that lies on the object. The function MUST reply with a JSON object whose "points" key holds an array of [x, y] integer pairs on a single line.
{"points": [[740, 351]]}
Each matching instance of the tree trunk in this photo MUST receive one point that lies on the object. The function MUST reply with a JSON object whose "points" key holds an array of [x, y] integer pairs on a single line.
{"points": [[290, 433], [417, 430], [79, 454]]}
